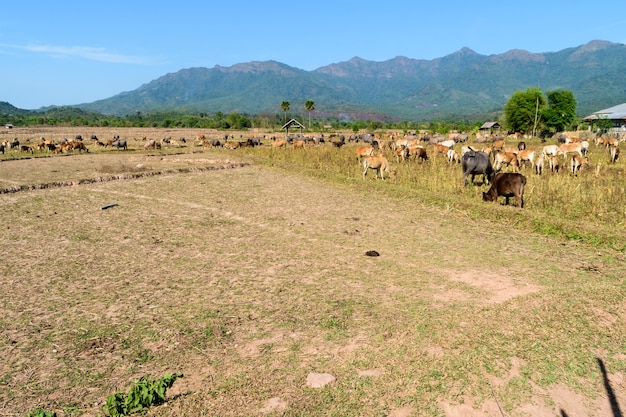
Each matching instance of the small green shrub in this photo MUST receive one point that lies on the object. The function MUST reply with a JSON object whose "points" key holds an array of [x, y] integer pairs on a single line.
{"points": [[144, 393], [38, 412]]}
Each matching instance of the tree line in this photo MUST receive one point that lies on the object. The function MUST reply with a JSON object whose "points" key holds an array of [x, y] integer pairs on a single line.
{"points": [[528, 112]]}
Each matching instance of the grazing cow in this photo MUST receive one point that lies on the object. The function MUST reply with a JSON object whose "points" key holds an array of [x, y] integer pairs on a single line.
{"points": [[505, 158], [26, 148], [526, 155], [554, 164], [78, 145], [476, 163], [363, 151], [577, 162], [339, 143], [498, 145], [231, 145], [418, 152], [401, 152], [152, 144], [279, 143], [439, 148], [378, 163], [614, 153], [118, 143], [507, 184], [550, 150], [567, 148]]}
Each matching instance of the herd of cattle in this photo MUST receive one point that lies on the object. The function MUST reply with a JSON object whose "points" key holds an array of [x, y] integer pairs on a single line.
{"points": [[492, 157], [489, 157]]}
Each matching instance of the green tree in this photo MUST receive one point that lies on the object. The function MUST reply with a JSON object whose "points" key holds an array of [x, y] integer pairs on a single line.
{"points": [[561, 111], [523, 110], [285, 106], [309, 106]]}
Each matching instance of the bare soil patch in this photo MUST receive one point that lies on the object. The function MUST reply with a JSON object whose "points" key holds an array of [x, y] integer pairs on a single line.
{"points": [[247, 279]]}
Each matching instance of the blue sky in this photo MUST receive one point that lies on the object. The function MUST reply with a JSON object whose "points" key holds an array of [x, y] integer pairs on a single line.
{"points": [[72, 52]]}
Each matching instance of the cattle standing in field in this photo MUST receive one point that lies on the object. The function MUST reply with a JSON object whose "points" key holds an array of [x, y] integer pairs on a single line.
{"points": [[554, 164], [526, 155], [614, 153], [498, 145], [539, 165], [507, 184], [476, 163], [505, 158], [152, 144], [279, 143], [567, 148], [550, 150], [577, 162], [439, 148], [401, 153], [231, 145], [418, 152], [78, 145], [339, 143], [119, 144], [378, 163], [453, 156]]}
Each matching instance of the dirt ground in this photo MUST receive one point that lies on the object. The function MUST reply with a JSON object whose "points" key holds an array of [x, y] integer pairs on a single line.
{"points": [[246, 278]]}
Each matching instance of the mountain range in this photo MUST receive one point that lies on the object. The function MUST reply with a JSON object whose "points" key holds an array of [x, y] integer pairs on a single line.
{"points": [[464, 85]]}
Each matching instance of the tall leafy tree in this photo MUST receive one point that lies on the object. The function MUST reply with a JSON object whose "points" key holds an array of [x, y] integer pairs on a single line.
{"points": [[309, 106], [285, 106], [561, 111], [524, 109]]}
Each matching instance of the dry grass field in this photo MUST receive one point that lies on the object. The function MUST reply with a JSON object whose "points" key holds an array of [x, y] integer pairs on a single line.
{"points": [[246, 271]]}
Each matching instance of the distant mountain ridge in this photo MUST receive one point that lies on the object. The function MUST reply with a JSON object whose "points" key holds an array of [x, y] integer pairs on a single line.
{"points": [[464, 84]]}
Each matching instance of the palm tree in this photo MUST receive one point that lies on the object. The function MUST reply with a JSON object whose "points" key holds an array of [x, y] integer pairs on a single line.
{"points": [[285, 106], [309, 106]]}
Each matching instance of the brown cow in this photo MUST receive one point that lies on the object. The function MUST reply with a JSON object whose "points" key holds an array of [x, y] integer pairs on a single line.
{"points": [[231, 145], [567, 148], [577, 162], [438, 148], [378, 163], [554, 164], [507, 184], [498, 145], [418, 152], [526, 155], [363, 151], [279, 143], [505, 158]]}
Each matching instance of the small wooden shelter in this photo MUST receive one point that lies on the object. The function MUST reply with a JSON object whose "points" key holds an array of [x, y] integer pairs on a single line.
{"points": [[290, 123], [488, 128]]}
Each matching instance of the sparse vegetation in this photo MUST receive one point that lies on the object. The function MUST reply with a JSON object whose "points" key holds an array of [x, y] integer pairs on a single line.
{"points": [[144, 393], [247, 279]]}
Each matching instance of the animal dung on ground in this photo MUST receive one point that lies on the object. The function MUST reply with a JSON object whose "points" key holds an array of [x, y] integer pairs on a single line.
{"points": [[109, 206], [372, 253]]}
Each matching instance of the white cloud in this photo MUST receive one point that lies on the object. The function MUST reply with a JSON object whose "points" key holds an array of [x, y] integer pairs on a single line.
{"points": [[85, 52]]}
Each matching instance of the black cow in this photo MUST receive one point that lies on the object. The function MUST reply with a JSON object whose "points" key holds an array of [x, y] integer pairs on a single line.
{"points": [[476, 163], [507, 184]]}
